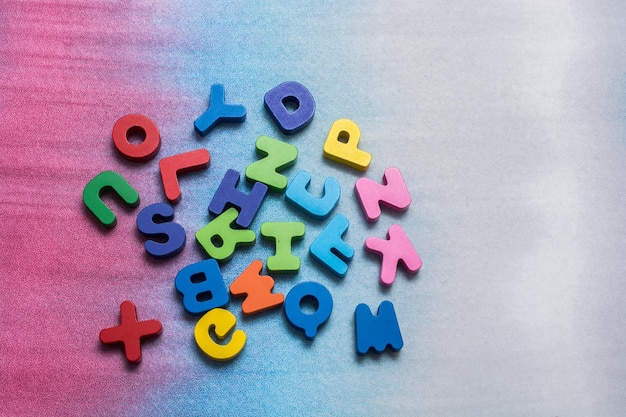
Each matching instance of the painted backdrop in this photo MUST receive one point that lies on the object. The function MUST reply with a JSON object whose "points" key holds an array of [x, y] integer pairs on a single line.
{"points": [[505, 118]]}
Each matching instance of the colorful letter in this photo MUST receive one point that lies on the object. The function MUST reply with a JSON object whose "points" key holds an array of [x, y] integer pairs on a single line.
{"points": [[218, 111], [283, 233], [129, 124], [342, 145], [227, 193], [219, 240], [328, 246], [257, 288], [318, 208], [104, 181], [378, 331], [130, 331], [396, 248], [392, 194], [304, 321], [279, 155], [174, 165], [149, 226], [202, 286], [222, 322], [295, 94]]}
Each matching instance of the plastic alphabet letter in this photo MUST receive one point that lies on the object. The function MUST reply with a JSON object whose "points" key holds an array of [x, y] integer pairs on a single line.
{"points": [[218, 111], [328, 245], [222, 322], [279, 155], [219, 240], [130, 331], [301, 320], [202, 286], [283, 233], [318, 208], [378, 331], [227, 193], [393, 250], [258, 289], [129, 124], [155, 220], [392, 194], [174, 165], [104, 181], [293, 93], [342, 145]]}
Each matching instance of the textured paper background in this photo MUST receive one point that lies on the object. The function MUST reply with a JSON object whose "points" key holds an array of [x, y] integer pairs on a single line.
{"points": [[506, 118]]}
